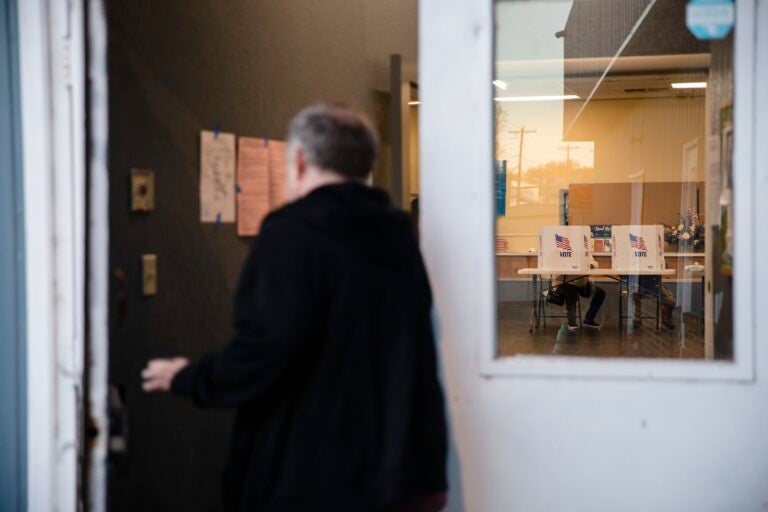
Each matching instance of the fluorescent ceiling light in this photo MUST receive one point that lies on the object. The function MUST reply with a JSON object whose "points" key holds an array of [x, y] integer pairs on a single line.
{"points": [[690, 85], [414, 103], [501, 84], [538, 98]]}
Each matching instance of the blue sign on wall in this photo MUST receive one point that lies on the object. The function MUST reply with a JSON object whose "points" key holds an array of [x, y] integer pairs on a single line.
{"points": [[709, 19], [601, 231], [500, 172]]}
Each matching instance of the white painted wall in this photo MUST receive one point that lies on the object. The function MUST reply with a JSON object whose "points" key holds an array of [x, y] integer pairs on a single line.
{"points": [[614, 437]]}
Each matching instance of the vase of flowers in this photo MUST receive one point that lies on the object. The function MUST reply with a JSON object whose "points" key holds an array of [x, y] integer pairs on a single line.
{"points": [[687, 235]]}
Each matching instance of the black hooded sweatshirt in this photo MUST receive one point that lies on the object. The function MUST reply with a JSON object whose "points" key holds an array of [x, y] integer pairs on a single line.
{"points": [[332, 368]]}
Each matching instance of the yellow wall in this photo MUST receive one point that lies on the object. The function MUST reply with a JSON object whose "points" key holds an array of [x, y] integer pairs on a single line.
{"points": [[642, 135], [637, 140]]}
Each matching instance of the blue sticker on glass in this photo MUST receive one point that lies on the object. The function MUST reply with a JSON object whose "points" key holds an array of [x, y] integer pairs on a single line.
{"points": [[709, 19]]}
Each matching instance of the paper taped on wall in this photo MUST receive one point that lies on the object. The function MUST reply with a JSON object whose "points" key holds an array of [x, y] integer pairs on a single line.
{"points": [[217, 177], [253, 185], [276, 174]]}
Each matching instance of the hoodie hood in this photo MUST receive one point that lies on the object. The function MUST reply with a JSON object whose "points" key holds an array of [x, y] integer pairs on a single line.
{"points": [[359, 217]]}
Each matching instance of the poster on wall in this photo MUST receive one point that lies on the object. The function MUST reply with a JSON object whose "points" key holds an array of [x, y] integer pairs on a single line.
{"points": [[252, 184], [500, 172], [217, 177], [260, 182], [276, 174]]}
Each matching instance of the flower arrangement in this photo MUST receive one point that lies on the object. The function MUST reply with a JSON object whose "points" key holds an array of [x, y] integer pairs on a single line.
{"points": [[689, 231]]}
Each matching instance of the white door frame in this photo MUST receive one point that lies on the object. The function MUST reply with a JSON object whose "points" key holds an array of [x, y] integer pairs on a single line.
{"points": [[98, 250], [51, 45]]}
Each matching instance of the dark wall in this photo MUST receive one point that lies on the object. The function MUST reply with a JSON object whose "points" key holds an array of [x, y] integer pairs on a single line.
{"points": [[176, 67]]}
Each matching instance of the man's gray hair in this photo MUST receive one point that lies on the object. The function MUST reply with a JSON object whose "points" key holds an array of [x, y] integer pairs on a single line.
{"points": [[335, 138]]}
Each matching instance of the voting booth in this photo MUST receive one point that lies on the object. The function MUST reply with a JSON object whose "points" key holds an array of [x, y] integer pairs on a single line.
{"points": [[564, 247], [638, 247]]}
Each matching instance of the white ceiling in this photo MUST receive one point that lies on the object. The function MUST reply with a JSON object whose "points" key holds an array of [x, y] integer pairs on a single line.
{"points": [[628, 77]]}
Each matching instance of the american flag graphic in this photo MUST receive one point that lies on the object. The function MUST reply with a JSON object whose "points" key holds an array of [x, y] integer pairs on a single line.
{"points": [[637, 242], [563, 243]]}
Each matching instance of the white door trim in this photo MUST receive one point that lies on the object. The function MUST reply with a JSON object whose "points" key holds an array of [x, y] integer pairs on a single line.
{"points": [[52, 116], [98, 271], [35, 121]]}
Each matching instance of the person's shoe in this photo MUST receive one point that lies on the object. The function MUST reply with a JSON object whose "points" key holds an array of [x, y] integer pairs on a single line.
{"points": [[668, 325], [573, 328], [592, 325]]}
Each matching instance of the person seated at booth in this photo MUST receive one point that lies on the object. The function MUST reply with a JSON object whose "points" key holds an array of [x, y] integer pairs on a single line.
{"points": [[649, 286], [571, 287]]}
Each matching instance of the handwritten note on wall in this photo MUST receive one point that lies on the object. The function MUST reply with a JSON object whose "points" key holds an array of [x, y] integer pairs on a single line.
{"points": [[276, 174], [253, 187], [260, 182], [217, 177]]}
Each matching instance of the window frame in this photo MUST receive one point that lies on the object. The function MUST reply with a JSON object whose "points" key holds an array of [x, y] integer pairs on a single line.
{"points": [[742, 367]]}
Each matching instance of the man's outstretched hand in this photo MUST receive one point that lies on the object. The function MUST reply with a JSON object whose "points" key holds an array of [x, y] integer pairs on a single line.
{"points": [[159, 373]]}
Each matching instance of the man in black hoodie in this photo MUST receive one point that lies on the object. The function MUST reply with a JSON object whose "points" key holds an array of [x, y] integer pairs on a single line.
{"points": [[332, 368]]}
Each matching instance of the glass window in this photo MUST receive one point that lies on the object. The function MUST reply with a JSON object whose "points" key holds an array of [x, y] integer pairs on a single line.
{"points": [[613, 143]]}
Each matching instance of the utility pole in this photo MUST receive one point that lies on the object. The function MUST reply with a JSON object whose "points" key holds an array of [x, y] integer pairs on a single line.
{"points": [[568, 149], [522, 131]]}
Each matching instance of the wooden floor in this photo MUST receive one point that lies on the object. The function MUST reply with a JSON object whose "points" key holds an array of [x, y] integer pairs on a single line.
{"points": [[684, 342]]}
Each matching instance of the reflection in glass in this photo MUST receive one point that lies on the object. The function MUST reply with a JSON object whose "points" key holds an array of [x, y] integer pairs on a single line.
{"points": [[608, 114]]}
